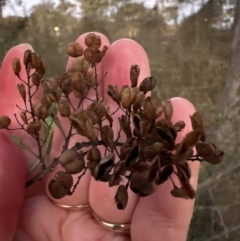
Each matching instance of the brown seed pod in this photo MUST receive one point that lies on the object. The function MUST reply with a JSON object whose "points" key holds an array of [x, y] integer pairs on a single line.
{"points": [[121, 197], [83, 124], [35, 60], [125, 125], [23, 116], [89, 39], [94, 155], [179, 126], [27, 57], [140, 185], [60, 185], [80, 65], [134, 73], [37, 109], [179, 192], [167, 109], [149, 109], [34, 127], [93, 55], [22, 90], [148, 84], [64, 108], [74, 49], [90, 77], [41, 69], [72, 161], [138, 102], [46, 101], [36, 79], [97, 42], [16, 66], [65, 84], [112, 91], [127, 95], [104, 166], [107, 136], [5, 121], [77, 81]]}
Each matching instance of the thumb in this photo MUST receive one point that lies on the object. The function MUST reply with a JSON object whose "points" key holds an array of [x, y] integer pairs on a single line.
{"points": [[12, 186]]}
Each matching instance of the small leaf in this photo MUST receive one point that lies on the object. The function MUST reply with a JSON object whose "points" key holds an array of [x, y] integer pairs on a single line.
{"points": [[58, 123], [19, 142], [33, 166]]}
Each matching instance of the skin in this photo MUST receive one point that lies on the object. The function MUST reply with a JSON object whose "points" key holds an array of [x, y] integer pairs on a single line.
{"points": [[29, 215]]}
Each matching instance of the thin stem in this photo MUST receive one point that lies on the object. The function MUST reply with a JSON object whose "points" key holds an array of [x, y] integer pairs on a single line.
{"points": [[79, 178]]}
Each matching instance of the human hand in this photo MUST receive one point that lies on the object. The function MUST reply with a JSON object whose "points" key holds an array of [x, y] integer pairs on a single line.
{"points": [[30, 215]]}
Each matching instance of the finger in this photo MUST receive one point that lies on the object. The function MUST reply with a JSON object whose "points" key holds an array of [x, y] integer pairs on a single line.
{"points": [[12, 186], [117, 62], [10, 97], [80, 195], [160, 214]]}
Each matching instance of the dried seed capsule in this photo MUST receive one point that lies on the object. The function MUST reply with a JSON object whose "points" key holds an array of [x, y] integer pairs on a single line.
{"points": [[36, 79], [5, 121], [16, 66], [22, 90], [64, 108], [148, 84], [35, 60], [179, 192], [34, 127], [60, 185], [65, 84], [107, 136], [104, 166], [24, 117], [112, 91], [80, 65], [46, 101], [77, 81], [127, 95], [93, 55], [167, 109], [74, 49], [134, 73], [89, 39], [138, 102], [27, 57], [72, 161], [41, 69], [94, 155], [121, 197], [90, 77], [97, 42], [149, 109]]}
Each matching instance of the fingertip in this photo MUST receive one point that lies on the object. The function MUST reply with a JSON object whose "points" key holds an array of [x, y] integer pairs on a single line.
{"points": [[117, 63]]}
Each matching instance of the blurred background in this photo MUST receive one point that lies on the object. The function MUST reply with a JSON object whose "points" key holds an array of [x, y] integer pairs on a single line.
{"points": [[194, 52]]}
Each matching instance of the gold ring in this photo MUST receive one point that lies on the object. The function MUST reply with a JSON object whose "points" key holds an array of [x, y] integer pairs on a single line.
{"points": [[114, 227], [72, 207]]}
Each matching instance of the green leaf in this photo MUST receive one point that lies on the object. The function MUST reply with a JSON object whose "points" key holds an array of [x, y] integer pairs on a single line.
{"points": [[33, 166], [58, 123], [19, 142]]}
